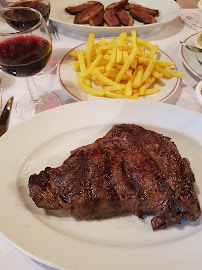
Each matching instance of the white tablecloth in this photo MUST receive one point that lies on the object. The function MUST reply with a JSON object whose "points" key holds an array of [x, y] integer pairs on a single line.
{"points": [[167, 38]]}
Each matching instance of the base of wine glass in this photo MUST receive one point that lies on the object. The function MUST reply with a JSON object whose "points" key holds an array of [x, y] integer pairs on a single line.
{"points": [[26, 108]]}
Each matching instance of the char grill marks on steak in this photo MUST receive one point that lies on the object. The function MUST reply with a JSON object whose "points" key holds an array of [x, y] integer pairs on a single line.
{"points": [[129, 170]]}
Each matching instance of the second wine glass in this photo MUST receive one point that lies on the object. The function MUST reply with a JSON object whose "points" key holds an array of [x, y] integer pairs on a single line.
{"points": [[43, 6], [24, 54]]}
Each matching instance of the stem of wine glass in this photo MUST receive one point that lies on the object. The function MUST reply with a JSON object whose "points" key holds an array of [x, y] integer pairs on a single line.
{"points": [[32, 89]]}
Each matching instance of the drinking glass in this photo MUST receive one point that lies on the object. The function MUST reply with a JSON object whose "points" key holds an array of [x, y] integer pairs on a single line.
{"points": [[25, 53], [43, 6]]}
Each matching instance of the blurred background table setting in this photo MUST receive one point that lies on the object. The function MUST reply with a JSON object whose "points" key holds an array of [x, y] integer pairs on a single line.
{"points": [[178, 21]]}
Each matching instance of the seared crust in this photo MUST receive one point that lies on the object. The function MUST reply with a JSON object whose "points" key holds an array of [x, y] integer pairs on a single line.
{"points": [[73, 10], [142, 16], [117, 5], [111, 18], [41, 191], [125, 18], [88, 13], [153, 12], [97, 20]]}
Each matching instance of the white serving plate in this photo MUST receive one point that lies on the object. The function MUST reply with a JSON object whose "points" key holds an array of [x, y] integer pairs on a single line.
{"points": [[127, 242]]}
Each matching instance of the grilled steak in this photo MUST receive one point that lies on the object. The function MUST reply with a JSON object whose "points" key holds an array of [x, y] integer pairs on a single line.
{"points": [[153, 12], [142, 16], [129, 170]]}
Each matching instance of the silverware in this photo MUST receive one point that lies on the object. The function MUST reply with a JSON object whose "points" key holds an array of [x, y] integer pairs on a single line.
{"points": [[191, 48], [5, 116], [53, 30]]}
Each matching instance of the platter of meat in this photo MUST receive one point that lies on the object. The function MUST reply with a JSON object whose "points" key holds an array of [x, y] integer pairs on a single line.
{"points": [[67, 77], [109, 18], [117, 181]]}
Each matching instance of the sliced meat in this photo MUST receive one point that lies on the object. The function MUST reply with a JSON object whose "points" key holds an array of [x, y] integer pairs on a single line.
{"points": [[88, 13], [98, 20], [153, 12], [117, 5], [73, 10], [142, 16], [125, 18], [111, 18]]}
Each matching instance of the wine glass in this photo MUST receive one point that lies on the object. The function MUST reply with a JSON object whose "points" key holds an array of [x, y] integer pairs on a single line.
{"points": [[25, 53], [43, 6]]}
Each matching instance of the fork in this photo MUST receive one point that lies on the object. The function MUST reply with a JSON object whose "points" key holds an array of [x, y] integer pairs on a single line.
{"points": [[54, 31], [191, 48]]}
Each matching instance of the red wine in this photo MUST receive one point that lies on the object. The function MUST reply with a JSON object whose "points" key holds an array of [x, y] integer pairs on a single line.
{"points": [[21, 20], [24, 56]]}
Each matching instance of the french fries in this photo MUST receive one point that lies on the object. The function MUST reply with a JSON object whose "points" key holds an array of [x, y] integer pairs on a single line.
{"points": [[125, 67]]}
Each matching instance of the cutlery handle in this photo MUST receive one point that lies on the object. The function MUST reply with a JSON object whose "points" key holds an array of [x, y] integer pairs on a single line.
{"points": [[5, 116]]}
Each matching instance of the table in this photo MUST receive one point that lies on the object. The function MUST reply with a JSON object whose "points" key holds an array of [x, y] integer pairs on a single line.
{"points": [[187, 4], [167, 38]]}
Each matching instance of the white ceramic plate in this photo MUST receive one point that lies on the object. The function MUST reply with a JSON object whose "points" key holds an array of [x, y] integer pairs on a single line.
{"points": [[118, 243], [67, 77], [169, 10], [189, 58]]}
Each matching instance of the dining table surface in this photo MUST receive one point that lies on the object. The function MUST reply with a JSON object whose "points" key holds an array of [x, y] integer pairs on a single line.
{"points": [[168, 39]]}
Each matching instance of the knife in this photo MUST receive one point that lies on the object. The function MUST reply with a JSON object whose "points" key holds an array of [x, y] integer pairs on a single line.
{"points": [[5, 116]]}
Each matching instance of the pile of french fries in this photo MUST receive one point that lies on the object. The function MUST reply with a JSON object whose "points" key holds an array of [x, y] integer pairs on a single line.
{"points": [[124, 67]]}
